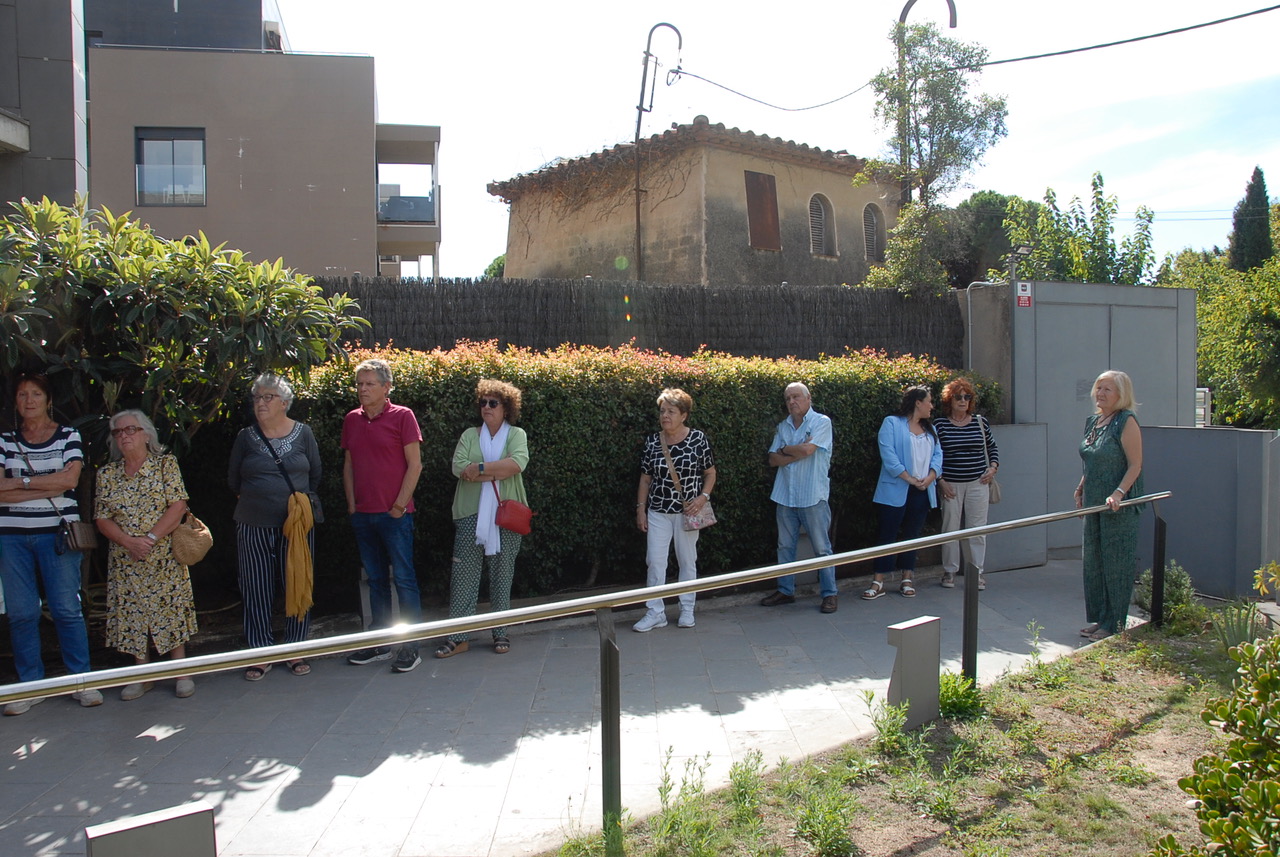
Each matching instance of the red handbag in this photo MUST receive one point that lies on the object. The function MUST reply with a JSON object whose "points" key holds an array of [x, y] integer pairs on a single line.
{"points": [[512, 514]]}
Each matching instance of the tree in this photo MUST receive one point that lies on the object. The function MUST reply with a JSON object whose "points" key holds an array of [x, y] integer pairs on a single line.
{"points": [[122, 318], [970, 238], [496, 267], [940, 129], [1250, 243], [908, 266], [1079, 246]]}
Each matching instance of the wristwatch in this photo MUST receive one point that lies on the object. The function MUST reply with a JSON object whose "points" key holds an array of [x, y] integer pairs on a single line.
{"points": [[152, 536], [26, 482], [482, 468]]}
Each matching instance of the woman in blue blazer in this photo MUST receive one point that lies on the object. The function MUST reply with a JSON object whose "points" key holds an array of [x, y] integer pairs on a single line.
{"points": [[910, 461]]}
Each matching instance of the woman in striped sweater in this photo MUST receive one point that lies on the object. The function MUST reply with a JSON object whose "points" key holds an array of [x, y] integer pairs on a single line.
{"points": [[969, 462]]}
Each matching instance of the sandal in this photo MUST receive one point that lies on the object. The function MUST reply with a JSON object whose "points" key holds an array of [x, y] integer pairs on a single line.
{"points": [[874, 591], [299, 667], [1098, 635], [907, 588], [501, 645], [256, 673], [1089, 629], [450, 648]]}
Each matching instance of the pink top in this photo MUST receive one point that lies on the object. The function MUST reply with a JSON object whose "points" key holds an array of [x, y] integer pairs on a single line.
{"points": [[376, 447]]}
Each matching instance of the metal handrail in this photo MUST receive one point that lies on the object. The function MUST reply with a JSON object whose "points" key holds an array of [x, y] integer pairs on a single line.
{"points": [[221, 661]]}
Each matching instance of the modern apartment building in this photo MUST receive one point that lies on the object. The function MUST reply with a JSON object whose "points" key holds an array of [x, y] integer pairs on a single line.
{"points": [[197, 117]]}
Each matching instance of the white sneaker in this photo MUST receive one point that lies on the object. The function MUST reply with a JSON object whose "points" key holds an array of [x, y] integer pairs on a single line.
{"points": [[88, 698], [650, 621], [22, 706], [686, 619]]}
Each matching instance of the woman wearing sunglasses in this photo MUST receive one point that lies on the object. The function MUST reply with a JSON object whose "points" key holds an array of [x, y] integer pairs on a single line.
{"points": [[140, 501], [493, 455], [969, 462]]}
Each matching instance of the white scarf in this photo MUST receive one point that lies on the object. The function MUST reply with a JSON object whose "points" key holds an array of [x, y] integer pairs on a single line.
{"points": [[487, 532]]}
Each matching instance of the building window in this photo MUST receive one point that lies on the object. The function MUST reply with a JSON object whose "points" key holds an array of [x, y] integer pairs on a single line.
{"points": [[762, 211], [822, 226], [170, 166], [873, 233]]}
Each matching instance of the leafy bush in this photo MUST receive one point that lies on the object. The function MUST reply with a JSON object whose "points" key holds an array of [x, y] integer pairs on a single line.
{"points": [[958, 697], [122, 318], [587, 411], [1237, 623], [1238, 790], [1178, 591]]}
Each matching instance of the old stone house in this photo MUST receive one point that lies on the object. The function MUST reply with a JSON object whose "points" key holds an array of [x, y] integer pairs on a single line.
{"points": [[718, 206]]}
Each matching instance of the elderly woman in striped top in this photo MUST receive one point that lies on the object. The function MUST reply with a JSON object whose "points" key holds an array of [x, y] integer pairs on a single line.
{"points": [[969, 462]]}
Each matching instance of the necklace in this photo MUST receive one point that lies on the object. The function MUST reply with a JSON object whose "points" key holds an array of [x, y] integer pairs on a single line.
{"points": [[1099, 426]]}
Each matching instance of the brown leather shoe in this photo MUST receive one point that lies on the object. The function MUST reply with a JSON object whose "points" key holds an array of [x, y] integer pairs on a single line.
{"points": [[777, 598], [828, 604]]}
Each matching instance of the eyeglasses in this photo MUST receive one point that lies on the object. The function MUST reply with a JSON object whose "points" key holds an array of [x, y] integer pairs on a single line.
{"points": [[125, 430], [268, 398], [490, 403], [964, 397]]}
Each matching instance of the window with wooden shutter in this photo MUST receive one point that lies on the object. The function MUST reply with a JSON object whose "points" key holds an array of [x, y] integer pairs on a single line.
{"points": [[873, 233], [762, 211], [822, 226]]}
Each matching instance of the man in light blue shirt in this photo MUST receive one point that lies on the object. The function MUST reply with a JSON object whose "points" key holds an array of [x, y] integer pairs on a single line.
{"points": [[801, 450]]}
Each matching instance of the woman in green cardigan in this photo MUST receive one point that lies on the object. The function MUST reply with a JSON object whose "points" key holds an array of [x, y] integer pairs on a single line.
{"points": [[493, 455]]}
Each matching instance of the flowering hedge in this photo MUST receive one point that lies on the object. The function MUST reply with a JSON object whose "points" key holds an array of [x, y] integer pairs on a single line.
{"points": [[586, 411]]}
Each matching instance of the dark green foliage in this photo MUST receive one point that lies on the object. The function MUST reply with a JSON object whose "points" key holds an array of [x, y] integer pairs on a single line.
{"points": [[587, 412], [121, 318], [1078, 246], [1251, 242], [970, 239], [1238, 789], [496, 267]]}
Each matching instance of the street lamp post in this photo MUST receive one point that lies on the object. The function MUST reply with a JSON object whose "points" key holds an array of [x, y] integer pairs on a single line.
{"points": [[638, 261], [904, 147]]}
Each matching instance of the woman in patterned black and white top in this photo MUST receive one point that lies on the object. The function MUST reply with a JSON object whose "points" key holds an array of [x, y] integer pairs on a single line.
{"points": [[969, 463], [660, 506]]}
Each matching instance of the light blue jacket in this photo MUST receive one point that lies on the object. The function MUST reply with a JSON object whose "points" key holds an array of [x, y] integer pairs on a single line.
{"points": [[895, 457]]}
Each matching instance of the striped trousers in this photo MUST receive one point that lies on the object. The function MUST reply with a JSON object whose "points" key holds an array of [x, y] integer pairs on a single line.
{"points": [[261, 555]]}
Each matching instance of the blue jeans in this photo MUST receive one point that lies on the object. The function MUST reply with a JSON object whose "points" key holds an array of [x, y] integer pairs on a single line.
{"points": [[816, 520], [907, 518], [21, 558], [386, 552]]}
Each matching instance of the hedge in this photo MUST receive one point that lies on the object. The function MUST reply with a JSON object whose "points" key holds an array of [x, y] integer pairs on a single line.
{"points": [[587, 411]]}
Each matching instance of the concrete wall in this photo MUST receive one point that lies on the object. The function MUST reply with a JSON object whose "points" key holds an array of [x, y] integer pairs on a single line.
{"points": [[1059, 338], [290, 161], [1023, 450], [694, 223], [1221, 518], [42, 81], [730, 257], [564, 232]]}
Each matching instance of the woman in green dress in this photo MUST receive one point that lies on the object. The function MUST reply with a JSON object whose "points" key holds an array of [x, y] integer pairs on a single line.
{"points": [[1112, 455]]}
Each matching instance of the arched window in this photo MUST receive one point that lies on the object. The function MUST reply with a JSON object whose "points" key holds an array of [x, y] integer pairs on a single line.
{"points": [[873, 233], [822, 226]]}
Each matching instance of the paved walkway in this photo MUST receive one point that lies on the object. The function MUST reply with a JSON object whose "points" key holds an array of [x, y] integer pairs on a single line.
{"points": [[489, 756]]}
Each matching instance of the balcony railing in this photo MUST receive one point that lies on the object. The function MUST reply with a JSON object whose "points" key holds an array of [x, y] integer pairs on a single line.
{"points": [[407, 209]]}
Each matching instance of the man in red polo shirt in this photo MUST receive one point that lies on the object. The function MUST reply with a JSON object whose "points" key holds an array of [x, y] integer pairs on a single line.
{"points": [[380, 469]]}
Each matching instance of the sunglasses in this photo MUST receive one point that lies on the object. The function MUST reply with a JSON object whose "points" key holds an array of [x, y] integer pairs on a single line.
{"points": [[490, 403], [125, 430], [964, 397]]}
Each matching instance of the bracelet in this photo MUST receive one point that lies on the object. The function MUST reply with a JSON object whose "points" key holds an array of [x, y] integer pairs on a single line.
{"points": [[401, 508], [152, 536], [705, 494], [639, 505]]}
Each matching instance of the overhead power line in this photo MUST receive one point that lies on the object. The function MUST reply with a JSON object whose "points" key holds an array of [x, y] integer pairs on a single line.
{"points": [[676, 74]]}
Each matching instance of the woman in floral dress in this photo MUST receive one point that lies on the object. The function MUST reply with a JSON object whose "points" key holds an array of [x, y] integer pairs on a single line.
{"points": [[140, 501]]}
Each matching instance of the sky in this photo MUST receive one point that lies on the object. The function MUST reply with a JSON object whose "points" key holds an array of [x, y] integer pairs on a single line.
{"points": [[1176, 124]]}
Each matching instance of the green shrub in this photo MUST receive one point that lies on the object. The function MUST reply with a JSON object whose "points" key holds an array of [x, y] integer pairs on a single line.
{"points": [[1237, 623], [1237, 790], [1178, 591], [958, 697], [587, 411]]}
